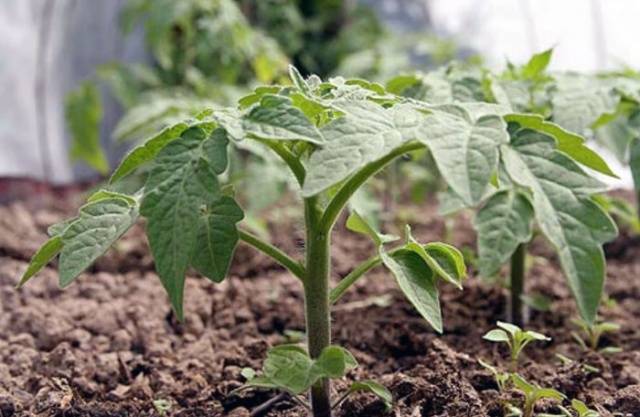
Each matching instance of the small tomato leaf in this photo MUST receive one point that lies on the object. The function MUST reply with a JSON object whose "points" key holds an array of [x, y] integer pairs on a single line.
{"points": [[417, 282], [41, 258], [217, 238], [275, 117], [502, 224], [147, 151], [98, 226], [374, 388]]}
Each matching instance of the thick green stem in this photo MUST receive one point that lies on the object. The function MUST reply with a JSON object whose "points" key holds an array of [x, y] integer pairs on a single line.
{"points": [[316, 300], [517, 313], [276, 254]]}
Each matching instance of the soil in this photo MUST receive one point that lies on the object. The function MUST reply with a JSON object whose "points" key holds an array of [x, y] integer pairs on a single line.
{"points": [[110, 346]]}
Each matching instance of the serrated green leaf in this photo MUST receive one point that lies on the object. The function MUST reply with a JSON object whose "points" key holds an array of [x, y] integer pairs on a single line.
{"points": [[97, 227], [217, 238], [58, 228], [366, 133], [417, 282], [181, 183], [41, 258], [277, 118], [575, 225], [569, 143], [107, 195], [374, 388], [465, 151], [579, 101], [356, 223], [503, 223], [537, 64], [298, 80], [147, 151], [83, 111]]}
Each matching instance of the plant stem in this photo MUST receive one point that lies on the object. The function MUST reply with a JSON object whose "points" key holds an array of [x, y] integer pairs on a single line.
{"points": [[338, 291], [337, 203], [276, 254], [517, 313], [316, 300]]}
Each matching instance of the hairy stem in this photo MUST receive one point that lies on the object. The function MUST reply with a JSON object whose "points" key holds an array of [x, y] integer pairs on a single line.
{"points": [[335, 206], [289, 158], [276, 254], [316, 300], [517, 313]]}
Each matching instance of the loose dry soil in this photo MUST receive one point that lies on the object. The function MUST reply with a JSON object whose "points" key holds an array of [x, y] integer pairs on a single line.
{"points": [[110, 346]]}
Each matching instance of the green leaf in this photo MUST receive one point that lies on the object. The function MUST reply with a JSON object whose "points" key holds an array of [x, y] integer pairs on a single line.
{"points": [[444, 260], [289, 367], [46, 253], [217, 238], [181, 184], [512, 329], [358, 224], [334, 362], [147, 151], [537, 64], [503, 223], [579, 100], [522, 384], [277, 118], [374, 388], [365, 133], [567, 142], [465, 150], [298, 80], [449, 260], [575, 225], [496, 335], [108, 195], [417, 282], [98, 226], [83, 111]]}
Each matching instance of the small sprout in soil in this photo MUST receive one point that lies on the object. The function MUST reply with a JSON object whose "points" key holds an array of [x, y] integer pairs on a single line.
{"points": [[582, 409], [565, 360], [589, 336], [516, 338], [290, 369], [501, 378], [533, 393], [162, 406]]}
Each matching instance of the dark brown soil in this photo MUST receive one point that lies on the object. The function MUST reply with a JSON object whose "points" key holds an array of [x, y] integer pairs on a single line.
{"points": [[109, 345]]}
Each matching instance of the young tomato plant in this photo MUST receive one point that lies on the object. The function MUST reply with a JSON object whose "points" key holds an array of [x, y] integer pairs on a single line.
{"points": [[516, 338], [533, 393], [536, 174], [590, 334], [333, 136]]}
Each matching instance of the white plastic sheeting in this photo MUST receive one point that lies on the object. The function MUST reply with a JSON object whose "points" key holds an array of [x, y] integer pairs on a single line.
{"points": [[46, 48]]}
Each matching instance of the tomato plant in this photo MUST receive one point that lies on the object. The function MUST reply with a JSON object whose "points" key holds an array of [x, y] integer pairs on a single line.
{"points": [[333, 136], [537, 171]]}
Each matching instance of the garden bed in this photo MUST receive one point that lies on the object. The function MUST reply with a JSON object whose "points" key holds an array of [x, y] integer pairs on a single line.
{"points": [[110, 346]]}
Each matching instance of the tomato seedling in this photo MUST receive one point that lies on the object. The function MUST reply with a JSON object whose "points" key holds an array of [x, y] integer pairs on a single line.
{"points": [[536, 174], [333, 136], [516, 338], [590, 334]]}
